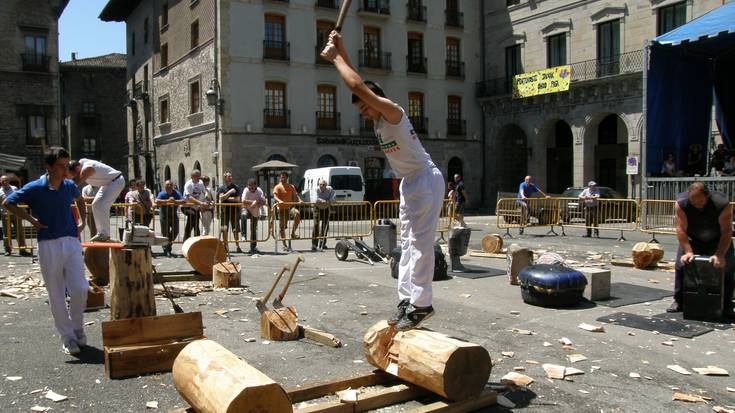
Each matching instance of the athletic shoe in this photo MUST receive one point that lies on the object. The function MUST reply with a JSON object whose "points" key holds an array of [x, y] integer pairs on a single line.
{"points": [[25, 253], [400, 312], [70, 347], [674, 308], [414, 317], [100, 238], [81, 337]]}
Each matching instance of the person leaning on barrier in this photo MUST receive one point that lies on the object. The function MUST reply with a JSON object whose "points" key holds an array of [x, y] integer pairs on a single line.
{"points": [[194, 196], [10, 222], [168, 201], [527, 189], [229, 214], [590, 197], [325, 195], [141, 201], [207, 210], [704, 227], [252, 200], [285, 193]]}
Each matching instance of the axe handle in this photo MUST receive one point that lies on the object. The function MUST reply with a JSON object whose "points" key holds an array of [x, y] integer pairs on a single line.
{"points": [[342, 15], [275, 282], [299, 260]]}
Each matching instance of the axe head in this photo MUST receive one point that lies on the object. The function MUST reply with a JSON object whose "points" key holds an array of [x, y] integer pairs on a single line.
{"points": [[261, 306], [277, 303]]}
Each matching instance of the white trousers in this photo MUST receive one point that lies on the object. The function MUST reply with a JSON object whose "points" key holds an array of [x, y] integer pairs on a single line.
{"points": [[102, 203], [62, 267], [207, 217], [421, 204]]}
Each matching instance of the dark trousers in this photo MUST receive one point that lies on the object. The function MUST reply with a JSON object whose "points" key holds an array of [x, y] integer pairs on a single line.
{"points": [[169, 228], [142, 219], [247, 216], [192, 222], [728, 271], [591, 219], [321, 226], [229, 216]]}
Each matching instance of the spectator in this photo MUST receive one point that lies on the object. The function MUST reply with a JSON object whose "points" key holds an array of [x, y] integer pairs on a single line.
{"points": [[140, 201], [195, 198], [207, 210], [450, 191], [229, 213], [88, 194], [719, 157], [325, 195], [286, 195], [460, 198], [590, 198], [252, 200], [695, 160], [111, 183], [10, 222], [168, 201], [668, 167], [729, 169], [526, 190]]}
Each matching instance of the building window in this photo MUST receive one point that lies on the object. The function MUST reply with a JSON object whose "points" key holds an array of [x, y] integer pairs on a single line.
{"points": [[326, 116], [89, 147], [371, 55], [145, 31], [455, 125], [88, 107], [274, 44], [453, 16], [513, 64], [416, 61], [608, 47], [164, 14], [195, 34], [163, 111], [671, 17], [194, 97], [556, 50], [35, 129], [34, 56], [325, 161], [416, 111], [132, 43], [275, 115], [164, 55]]}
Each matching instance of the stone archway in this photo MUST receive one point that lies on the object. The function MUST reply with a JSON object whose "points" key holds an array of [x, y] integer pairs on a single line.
{"points": [[611, 150], [182, 177], [167, 173], [512, 157], [559, 158], [454, 166]]}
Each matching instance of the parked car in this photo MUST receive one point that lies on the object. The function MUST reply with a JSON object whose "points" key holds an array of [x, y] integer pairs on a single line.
{"points": [[572, 212]]}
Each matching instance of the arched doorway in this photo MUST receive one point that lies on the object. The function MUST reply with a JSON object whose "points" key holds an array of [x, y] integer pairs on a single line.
{"points": [[454, 167], [166, 173], [182, 177], [198, 166], [611, 151], [326, 161], [277, 157], [512, 157], [559, 159]]}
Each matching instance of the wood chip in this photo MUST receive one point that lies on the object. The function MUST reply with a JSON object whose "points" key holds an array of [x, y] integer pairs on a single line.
{"points": [[508, 354], [547, 344], [583, 391], [634, 375], [679, 369], [592, 328], [465, 295], [571, 371], [554, 371], [720, 409], [51, 395], [730, 389], [521, 331], [711, 371], [519, 368], [574, 358], [89, 323], [249, 340], [514, 312], [13, 378], [348, 396], [668, 343], [516, 379], [531, 362], [565, 341], [505, 402], [38, 408], [222, 313], [9, 293], [151, 405], [691, 398]]}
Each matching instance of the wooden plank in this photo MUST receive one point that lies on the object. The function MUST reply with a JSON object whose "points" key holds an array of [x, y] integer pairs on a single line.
{"points": [[175, 276], [317, 390], [486, 398], [482, 254], [136, 360], [369, 401], [136, 331], [108, 245]]}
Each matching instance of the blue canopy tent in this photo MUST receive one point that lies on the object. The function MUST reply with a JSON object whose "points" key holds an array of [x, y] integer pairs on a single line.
{"points": [[690, 68]]}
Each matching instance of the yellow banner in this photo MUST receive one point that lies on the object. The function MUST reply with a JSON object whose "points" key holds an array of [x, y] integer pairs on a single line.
{"points": [[555, 79]]}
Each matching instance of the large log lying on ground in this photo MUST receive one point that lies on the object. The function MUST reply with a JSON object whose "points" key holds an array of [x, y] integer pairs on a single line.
{"points": [[131, 283], [646, 254], [203, 252], [492, 243], [449, 367], [212, 379]]}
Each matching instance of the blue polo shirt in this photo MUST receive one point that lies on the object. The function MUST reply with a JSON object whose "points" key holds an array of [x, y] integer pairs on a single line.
{"points": [[51, 207], [527, 190]]}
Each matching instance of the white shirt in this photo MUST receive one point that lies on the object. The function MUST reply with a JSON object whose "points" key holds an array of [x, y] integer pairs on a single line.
{"points": [[595, 196], [195, 190], [103, 174], [401, 146], [4, 194], [257, 195]]}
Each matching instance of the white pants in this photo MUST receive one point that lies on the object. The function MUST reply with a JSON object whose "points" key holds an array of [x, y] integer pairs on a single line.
{"points": [[62, 268], [102, 203], [421, 204], [207, 216]]}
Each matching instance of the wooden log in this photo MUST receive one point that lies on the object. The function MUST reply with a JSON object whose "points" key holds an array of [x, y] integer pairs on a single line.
{"points": [[492, 243], [317, 390], [518, 259], [203, 252], [313, 334], [226, 275], [131, 283], [97, 261], [279, 324], [449, 367], [368, 401], [212, 379], [646, 254]]}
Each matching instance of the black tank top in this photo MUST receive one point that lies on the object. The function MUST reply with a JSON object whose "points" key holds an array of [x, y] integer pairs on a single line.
{"points": [[703, 225]]}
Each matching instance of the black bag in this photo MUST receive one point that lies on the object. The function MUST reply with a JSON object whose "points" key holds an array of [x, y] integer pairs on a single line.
{"points": [[440, 263]]}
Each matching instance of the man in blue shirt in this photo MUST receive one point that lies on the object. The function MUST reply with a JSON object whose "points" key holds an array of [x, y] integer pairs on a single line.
{"points": [[527, 189], [168, 202], [59, 251]]}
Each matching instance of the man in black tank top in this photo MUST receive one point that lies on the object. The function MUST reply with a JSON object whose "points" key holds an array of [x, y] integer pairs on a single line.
{"points": [[704, 227]]}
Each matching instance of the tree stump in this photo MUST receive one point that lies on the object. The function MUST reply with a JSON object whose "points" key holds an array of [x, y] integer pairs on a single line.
{"points": [[203, 252], [97, 261], [131, 283], [449, 367], [226, 275], [492, 243], [646, 254], [212, 379], [518, 259], [279, 324]]}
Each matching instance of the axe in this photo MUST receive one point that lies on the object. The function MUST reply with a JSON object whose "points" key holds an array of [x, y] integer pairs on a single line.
{"points": [[261, 302], [277, 301], [167, 293]]}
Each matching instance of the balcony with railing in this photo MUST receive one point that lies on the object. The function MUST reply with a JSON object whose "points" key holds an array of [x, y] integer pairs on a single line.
{"points": [[140, 91], [415, 12], [327, 120], [415, 64], [586, 70], [366, 126], [420, 124], [374, 59], [374, 7], [35, 62], [453, 18], [327, 4], [454, 68], [277, 118], [276, 50], [456, 127]]}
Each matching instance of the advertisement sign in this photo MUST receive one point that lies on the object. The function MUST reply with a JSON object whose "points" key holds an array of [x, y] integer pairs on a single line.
{"points": [[555, 79]]}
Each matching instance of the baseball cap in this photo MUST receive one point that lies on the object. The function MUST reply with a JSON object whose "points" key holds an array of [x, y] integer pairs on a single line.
{"points": [[592, 183]]}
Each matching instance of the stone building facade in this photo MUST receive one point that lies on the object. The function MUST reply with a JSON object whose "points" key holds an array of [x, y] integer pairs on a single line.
{"points": [[29, 78], [568, 138], [93, 102], [276, 99]]}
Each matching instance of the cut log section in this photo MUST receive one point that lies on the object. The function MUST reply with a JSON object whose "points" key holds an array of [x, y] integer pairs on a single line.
{"points": [[492, 243], [97, 261], [449, 367], [131, 283], [646, 254], [279, 324], [203, 252], [226, 275], [212, 379]]}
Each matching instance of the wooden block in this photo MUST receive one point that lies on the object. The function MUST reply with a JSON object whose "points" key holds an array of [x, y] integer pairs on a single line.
{"points": [[492, 243], [129, 361], [279, 324], [131, 283], [646, 254], [226, 275], [203, 252], [518, 259], [598, 283]]}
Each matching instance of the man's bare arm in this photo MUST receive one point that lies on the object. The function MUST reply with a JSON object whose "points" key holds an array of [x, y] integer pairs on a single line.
{"points": [[725, 232], [681, 229]]}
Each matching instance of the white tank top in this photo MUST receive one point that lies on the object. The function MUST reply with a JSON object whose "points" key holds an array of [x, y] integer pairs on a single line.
{"points": [[401, 146], [103, 174]]}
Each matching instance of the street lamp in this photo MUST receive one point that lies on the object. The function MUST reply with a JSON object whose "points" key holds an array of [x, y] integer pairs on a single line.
{"points": [[213, 98]]}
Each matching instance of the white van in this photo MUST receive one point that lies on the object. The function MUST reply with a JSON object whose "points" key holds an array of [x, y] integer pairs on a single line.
{"points": [[346, 181]]}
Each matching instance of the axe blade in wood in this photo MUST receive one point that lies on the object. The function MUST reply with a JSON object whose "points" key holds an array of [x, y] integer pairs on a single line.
{"points": [[277, 302], [261, 303]]}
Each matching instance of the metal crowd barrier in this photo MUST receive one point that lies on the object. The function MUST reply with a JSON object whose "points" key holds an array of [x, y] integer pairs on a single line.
{"points": [[18, 234], [528, 212], [657, 217], [389, 210], [606, 214]]}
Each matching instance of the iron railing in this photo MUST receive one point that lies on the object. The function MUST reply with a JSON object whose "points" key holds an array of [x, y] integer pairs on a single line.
{"points": [[669, 188], [416, 64], [420, 124], [327, 120], [415, 12], [276, 118], [453, 18], [374, 6], [327, 4], [366, 126], [140, 91], [626, 63], [276, 50], [374, 59], [454, 68], [494, 87], [456, 127], [35, 62]]}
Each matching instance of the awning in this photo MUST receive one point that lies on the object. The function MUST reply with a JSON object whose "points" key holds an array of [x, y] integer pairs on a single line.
{"points": [[274, 165], [11, 162], [718, 22]]}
